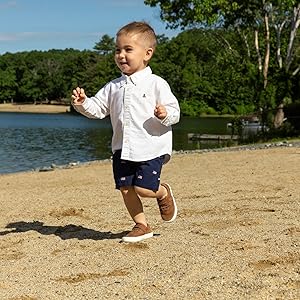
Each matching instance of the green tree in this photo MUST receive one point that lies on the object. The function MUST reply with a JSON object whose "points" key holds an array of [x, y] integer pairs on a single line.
{"points": [[259, 19], [204, 73], [7, 84], [106, 45]]}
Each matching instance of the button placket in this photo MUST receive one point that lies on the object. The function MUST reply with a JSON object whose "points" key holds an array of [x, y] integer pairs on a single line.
{"points": [[126, 120]]}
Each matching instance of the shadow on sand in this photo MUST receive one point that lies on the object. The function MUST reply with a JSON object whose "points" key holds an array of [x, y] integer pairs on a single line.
{"points": [[64, 232]]}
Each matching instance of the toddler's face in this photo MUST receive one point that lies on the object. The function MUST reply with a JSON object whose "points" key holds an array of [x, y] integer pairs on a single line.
{"points": [[131, 53]]}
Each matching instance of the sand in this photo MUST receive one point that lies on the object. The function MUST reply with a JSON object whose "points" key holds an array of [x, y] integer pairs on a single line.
{"points": [[32, 108], [237, 235]]}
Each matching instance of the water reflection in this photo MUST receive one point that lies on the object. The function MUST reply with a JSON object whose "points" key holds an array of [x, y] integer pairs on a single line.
{"points": [[30, 148], [30, 141], [208, 125]]}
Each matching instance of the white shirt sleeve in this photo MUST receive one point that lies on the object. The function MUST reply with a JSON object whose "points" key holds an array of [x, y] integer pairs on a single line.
{"points": [[96, 107], [167, 98]]}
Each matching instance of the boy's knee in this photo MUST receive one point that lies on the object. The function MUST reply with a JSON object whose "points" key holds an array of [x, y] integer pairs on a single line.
{"points": [[142, 192], [125, 190]]}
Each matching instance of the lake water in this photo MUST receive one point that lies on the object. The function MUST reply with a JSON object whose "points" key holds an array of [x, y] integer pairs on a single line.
{"points": [[32, 141]]}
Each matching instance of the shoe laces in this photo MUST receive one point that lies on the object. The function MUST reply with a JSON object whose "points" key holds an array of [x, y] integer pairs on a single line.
{"points": [[138, 227], [164, 204]]}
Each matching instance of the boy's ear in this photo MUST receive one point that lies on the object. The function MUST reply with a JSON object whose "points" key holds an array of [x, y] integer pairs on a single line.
{"points": [[148, 54]]}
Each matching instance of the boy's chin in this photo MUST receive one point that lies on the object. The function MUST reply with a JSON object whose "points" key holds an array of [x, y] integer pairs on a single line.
{"points": [[127, 72]]}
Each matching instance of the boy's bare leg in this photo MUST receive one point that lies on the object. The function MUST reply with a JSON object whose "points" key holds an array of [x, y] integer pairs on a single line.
{"points": [[145, 193], [165, 200], [133, 204]]}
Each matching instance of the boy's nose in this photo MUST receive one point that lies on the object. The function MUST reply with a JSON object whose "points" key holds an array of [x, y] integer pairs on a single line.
{"points": [[121, 54]]}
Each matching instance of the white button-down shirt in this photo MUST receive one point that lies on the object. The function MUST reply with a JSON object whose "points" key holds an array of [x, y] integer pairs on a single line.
{"points": [[130, 101]]}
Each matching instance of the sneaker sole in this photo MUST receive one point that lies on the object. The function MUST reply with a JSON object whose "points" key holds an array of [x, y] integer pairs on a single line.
{"points": [[135, 239], [175, 206]]}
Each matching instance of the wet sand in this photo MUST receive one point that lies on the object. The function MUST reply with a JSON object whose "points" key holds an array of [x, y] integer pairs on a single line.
{"points": [[237, 234]]}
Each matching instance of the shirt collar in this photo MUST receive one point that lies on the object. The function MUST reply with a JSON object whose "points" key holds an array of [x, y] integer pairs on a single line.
{"points": [[137, 77]]}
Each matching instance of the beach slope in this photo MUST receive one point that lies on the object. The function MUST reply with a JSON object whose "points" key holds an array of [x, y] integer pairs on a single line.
{"points": [[237, 235]]}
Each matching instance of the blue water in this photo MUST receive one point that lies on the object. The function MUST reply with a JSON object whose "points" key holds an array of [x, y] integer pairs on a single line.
{"points": [[33, 141]]}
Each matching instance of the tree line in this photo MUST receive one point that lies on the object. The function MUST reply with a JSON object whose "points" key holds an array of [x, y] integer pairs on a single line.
{"points": [[211, 70], [206, 75]]}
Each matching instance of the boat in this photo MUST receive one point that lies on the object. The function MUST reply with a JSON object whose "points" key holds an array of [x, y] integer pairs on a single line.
{"points": [[250, 125]]}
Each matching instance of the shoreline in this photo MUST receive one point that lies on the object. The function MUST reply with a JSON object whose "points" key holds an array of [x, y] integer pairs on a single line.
{"points": [[34, 108], [249, 147], [56, 108], [237, 234]]}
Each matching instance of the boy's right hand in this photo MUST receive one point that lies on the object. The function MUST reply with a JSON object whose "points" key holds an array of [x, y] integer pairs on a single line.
{"points": [[78, 95]]}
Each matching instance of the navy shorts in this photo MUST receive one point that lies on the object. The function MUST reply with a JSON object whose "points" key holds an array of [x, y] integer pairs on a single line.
{"points": [[145, 174]]}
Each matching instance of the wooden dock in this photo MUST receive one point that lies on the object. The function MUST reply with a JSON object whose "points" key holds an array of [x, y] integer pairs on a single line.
{"points": [[212, 137]]}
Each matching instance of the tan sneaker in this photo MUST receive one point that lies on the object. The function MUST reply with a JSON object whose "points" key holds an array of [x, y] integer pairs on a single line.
{"points": [[167, 205], [138, 233]]}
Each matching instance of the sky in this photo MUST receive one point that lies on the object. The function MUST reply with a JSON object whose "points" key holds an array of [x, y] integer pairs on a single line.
{"points": [[27, 25]]}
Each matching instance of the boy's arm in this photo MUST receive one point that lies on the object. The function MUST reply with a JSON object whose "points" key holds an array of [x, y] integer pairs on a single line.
{"points": [[168, 116], [95, 107], [167, 110]]}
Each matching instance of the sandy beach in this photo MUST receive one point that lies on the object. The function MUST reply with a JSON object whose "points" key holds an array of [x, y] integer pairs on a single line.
{"points": [[34, 108], [237, 234]]}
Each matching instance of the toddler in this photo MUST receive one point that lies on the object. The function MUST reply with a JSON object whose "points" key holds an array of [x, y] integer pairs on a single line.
{"points": [[142, 109]]}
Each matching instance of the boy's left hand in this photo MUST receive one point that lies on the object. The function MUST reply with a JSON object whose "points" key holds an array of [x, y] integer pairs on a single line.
{"points": [[160, 111]]}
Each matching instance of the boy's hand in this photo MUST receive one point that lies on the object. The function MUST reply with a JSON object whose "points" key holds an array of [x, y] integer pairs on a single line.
{"points": [[160, 111], [78, 95]]}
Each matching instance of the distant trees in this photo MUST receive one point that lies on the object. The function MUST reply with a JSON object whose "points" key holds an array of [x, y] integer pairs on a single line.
{"points": [[106, 45], [37, 76], [7, 83]]}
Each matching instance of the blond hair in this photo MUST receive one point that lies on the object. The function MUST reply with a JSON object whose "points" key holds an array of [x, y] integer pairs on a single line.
{"points": [[140, 28]]}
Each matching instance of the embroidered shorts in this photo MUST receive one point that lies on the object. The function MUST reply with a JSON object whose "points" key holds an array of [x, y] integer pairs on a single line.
{"points": [[145, 174]]}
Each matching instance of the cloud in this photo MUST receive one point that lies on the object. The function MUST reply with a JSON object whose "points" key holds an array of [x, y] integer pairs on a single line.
{"points": [[17, 36], [8, 4], [125, 3], [22, 36], [7, 37]]}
